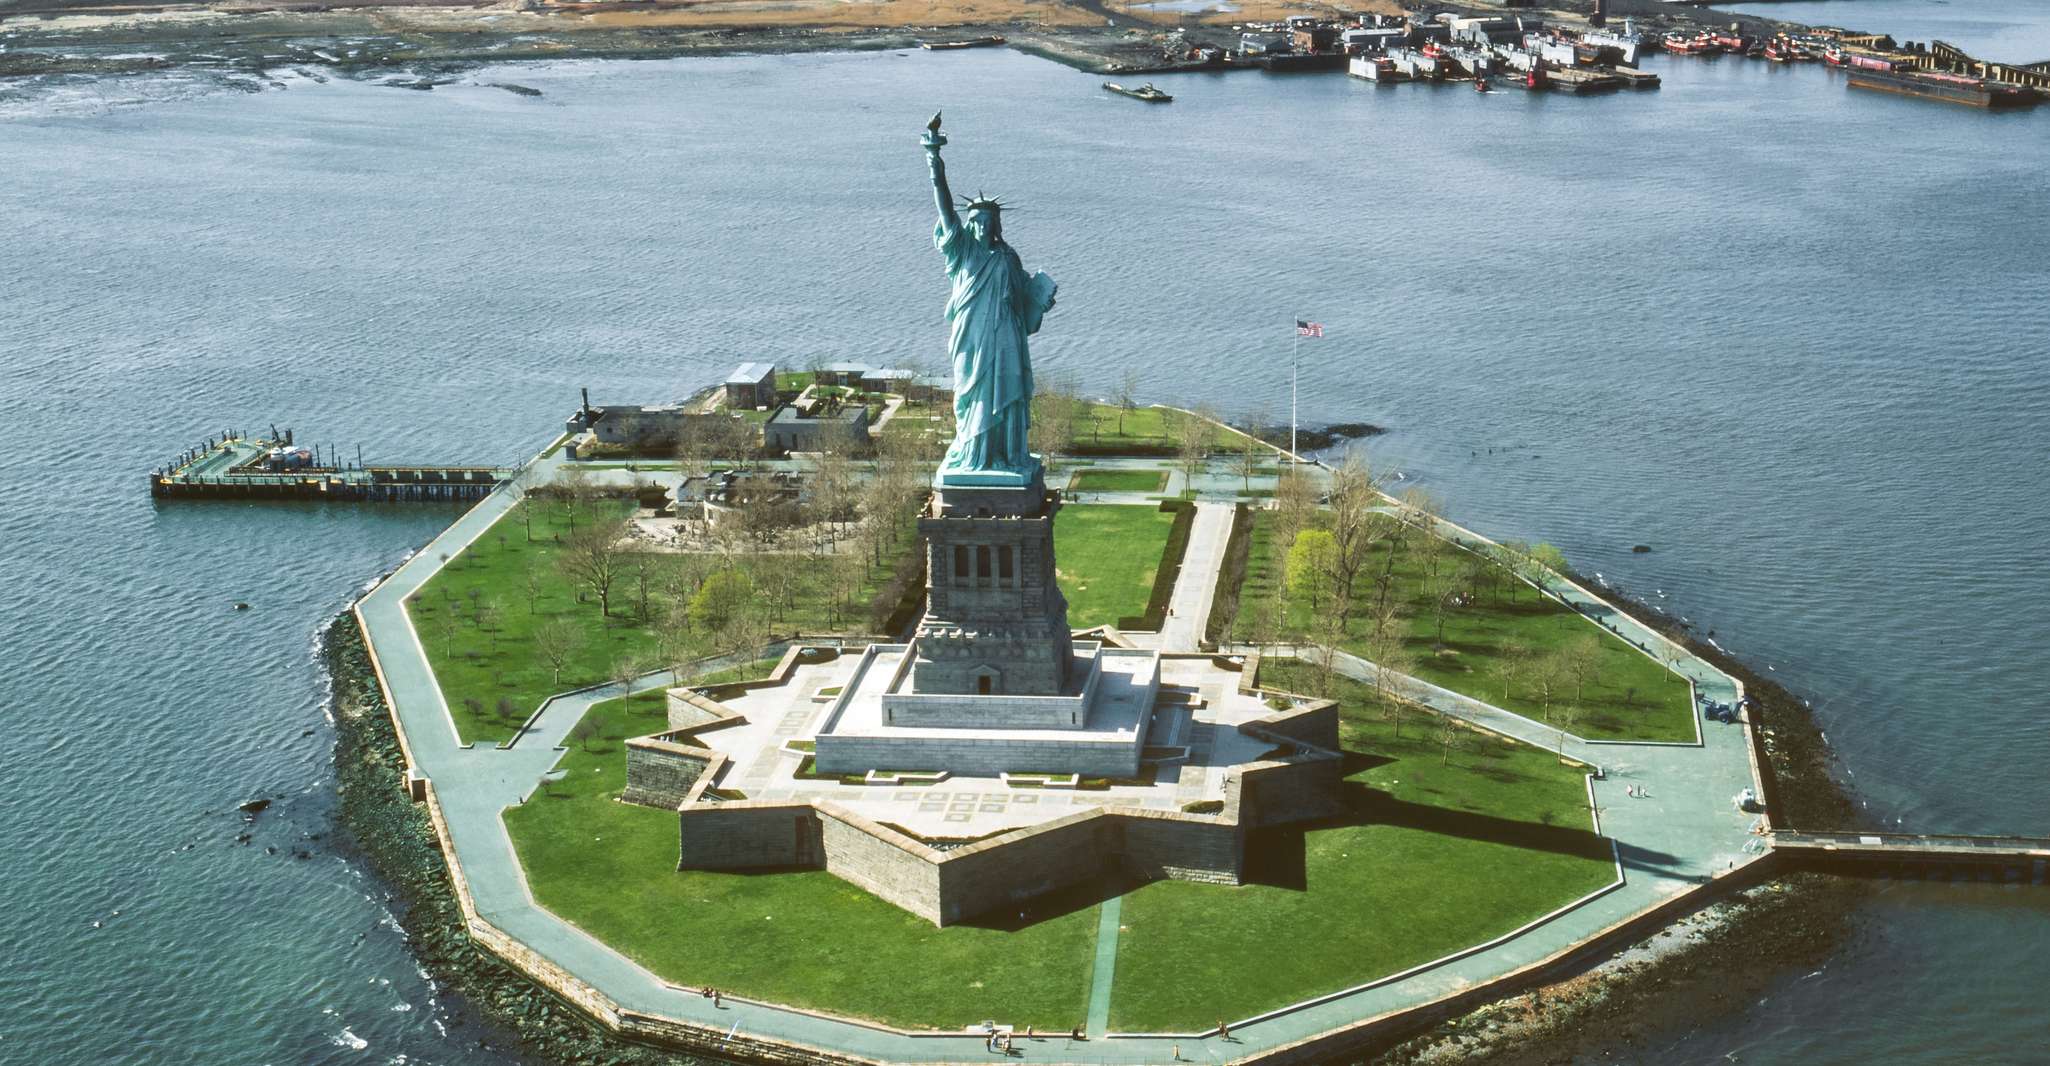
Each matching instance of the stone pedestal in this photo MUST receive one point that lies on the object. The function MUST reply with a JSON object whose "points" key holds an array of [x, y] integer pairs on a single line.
{"points": [[996, 623]]}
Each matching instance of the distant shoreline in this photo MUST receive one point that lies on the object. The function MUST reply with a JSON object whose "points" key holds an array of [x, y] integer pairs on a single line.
{"points": [[424, 41]]}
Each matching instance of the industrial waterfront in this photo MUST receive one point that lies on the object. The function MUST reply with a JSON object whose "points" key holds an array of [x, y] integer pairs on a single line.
{"points": [[1698, 365]]}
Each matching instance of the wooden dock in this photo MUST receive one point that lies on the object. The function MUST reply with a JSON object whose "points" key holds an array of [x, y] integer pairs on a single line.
{"points": [[247, 468]]}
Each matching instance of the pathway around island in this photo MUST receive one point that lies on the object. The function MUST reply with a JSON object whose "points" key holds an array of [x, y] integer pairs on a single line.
{"points": [[1676, 839]]}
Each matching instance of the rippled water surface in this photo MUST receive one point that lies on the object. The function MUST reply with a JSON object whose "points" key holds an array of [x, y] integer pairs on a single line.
{"points": [[1790, 337]]}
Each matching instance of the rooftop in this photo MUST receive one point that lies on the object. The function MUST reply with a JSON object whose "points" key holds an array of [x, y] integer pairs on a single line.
{"points": [[750, 373]]}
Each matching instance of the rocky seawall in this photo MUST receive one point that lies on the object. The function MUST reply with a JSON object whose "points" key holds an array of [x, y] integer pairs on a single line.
{"points": [[1711, 963], [483, 1000]]}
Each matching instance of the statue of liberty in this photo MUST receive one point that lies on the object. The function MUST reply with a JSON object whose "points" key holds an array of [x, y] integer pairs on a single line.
{"points": [[995, 305]]}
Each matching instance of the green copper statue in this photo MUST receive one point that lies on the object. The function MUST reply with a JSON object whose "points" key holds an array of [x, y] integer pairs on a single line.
{"points": [[995, 305]]}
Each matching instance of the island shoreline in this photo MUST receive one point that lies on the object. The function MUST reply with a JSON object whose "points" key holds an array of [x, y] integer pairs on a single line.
{"points": [[1656, 983]]}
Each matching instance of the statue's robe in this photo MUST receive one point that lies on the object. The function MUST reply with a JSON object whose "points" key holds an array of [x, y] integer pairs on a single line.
{"points": [[995, 305]]}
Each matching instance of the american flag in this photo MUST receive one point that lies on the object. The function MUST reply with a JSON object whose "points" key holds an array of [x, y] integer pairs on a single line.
{"points": [[1308, 329]]}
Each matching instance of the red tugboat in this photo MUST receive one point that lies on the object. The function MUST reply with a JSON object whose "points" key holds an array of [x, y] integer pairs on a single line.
{"points": [[1480, 83], [1688, 46], [1779, 50]]}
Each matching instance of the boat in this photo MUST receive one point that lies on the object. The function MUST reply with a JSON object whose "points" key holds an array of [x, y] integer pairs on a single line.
{"points": [[1779, 50], [1688, 46], [1302, 62], [1622, 48], [1732, 42], [949, 46], [1144, 92], [1480, 83], [1416, 64], [1950, 88]]}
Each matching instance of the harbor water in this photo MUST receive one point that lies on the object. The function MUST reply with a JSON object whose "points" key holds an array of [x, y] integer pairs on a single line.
{"points": [[1789, 337]]}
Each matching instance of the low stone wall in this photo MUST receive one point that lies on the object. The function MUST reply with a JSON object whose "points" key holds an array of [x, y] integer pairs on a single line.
{"points": [[1184, 847], [1276, 793], [749, 835], [1314, 724], [1008, 869], [660, 771], [887, 863], [973, 756]]}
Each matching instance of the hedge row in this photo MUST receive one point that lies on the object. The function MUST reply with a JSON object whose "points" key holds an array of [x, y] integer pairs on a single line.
{"points": [[1231, 576], [1170, 568]]}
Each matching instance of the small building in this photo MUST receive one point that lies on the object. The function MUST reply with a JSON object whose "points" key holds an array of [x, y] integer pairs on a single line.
{"points": [[751, 385], [843, 374], [1262, 43], [1361, 39], [1497, 29], [1312, 37], [887, 379], [776, 498], [816, 426]]}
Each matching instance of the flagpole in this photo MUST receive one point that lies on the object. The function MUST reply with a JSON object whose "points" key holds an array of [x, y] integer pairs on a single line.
{"points": [[1294, 348]]}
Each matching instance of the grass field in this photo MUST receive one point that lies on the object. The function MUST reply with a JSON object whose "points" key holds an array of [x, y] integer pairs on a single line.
{"points": [[1146, 431], [1433, 856], [1629, 695], [488, 664], [803, 938], [1105, 557], [1142, 481]]}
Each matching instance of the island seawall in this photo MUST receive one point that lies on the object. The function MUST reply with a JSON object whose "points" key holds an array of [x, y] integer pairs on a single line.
{"points": [[1754, 930]]}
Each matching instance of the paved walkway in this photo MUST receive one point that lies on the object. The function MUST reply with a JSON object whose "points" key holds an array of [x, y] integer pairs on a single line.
{"points": [[1678, 837], [1188, 609]]}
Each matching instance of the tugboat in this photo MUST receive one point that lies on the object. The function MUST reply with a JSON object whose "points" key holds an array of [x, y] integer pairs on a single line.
{"points": [[1480, 83], [1779, 50], [1144, 92]]}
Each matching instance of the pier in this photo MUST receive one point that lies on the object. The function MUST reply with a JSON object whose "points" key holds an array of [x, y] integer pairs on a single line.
{"points": [[1915, 855], [240, 467]]}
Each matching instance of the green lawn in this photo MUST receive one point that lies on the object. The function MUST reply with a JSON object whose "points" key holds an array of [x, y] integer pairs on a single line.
{"points": [[1436, 857], [1144, 431], [1629, 696], [489, 666], [1105, 556], [1118, 481], [802, 938]]}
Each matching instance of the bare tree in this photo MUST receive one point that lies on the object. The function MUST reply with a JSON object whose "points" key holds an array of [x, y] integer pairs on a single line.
{"points": [[1581, 658], [583, 732], [573, 494], [1192, 438], [558, 640], [449, 623], [1251, 451], [1393, 663], [1055, 408], [1516, 659], [1127, 396], [1354, 524], [1451, 734], [593, 559], [524, 512], [1295, 502]]}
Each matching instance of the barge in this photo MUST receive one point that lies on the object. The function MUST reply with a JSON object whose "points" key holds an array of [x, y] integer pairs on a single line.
{"points": [[1949, 88]]}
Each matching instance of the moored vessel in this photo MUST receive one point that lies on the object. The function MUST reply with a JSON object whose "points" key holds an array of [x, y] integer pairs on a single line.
{"points": [[1144, 92], [1950, 88]]}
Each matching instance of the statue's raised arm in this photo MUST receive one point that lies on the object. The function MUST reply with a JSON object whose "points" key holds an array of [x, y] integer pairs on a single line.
{"points": [[942, 196]]}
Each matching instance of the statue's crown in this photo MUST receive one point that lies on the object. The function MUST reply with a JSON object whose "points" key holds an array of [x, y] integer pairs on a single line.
{"points": [[970, 203]]}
